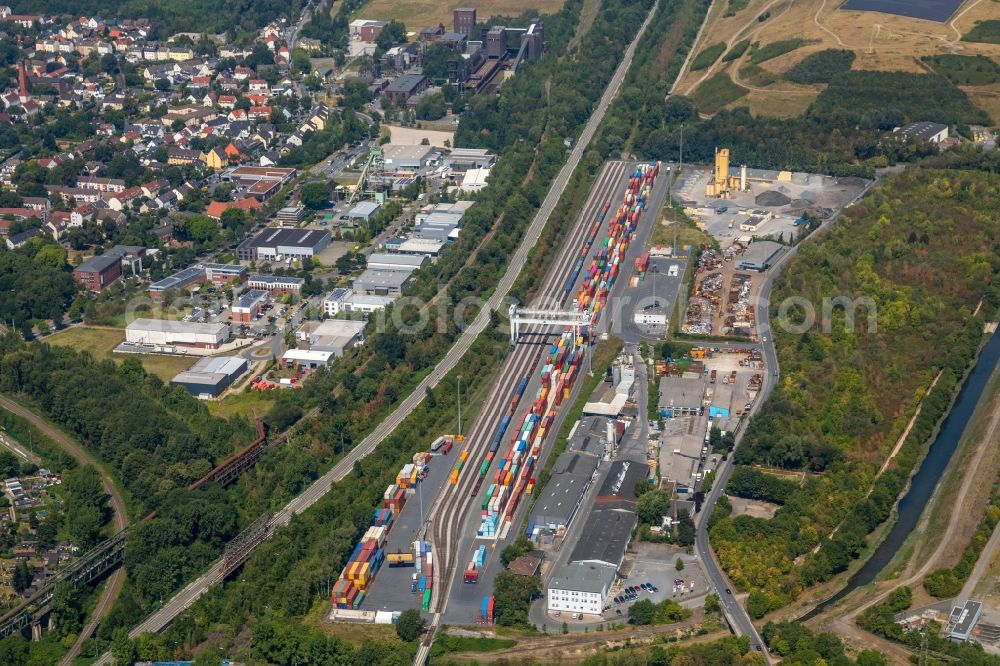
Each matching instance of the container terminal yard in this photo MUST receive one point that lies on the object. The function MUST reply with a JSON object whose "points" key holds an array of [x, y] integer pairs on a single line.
{"points": [[471, 502], [456, 524]]}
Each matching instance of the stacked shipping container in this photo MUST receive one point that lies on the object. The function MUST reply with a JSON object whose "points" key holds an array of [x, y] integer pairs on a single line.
{"points": [[515, 471], [369, 553]]}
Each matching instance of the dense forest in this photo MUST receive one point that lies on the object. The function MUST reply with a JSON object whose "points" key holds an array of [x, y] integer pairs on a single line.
{"points": [[36, 284], [923, 248], [156, 440]]}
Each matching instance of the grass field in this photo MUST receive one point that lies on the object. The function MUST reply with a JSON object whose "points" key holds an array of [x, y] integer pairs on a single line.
{"points": [[243, 404], [417, 14], [879, 41], [716, 93], [101, 341]]}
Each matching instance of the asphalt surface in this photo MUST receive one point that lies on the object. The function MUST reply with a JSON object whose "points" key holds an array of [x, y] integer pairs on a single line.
{"points": [[735, 614], [120, 518]]}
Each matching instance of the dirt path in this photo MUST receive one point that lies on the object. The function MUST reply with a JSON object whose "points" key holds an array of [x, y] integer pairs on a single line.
{"points": [[575, 647], [119, 519]]}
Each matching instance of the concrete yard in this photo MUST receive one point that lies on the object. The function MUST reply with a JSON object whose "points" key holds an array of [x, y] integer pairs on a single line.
{"points": [[390, 591], [815, 193]]}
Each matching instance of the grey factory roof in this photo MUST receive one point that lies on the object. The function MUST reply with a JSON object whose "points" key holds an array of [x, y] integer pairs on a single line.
{"points": [[388, 279], [581, 577], [965, 619], [273, 237], [389, 261], [589, 436], [394, 152], [171, 326], [925, 130], [759, 254], [211, 370], [559, 500], [179, 279], [363, 210], [405, 83], [618, 488], [605, 536], [681, 392], [98, 263]]}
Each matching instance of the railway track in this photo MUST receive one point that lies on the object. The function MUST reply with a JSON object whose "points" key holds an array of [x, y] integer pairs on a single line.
{"points": [[449, 512]]}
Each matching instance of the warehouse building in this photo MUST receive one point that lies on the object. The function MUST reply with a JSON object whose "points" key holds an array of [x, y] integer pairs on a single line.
{"points": [[927, 131], [276, 284], [395, 262], [605, 537], [273, 243], [333, 335], [167, 333], [421, 247], [363, 211], [250, 305], [580, 588], [474, 180], [307, 358], [381, 282], [217, 274], [681, 396], [400, 157], [347, 301], [403, 88], [463, 159], [572, 474], [759, 256], [209, 377]]}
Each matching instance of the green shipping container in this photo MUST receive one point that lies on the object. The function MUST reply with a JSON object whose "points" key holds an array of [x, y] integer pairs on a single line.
{"points": [[484, 468], [427, 600]]}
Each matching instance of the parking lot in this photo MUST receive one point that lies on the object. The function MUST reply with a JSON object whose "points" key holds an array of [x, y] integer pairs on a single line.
{"points": [[656, 564]]}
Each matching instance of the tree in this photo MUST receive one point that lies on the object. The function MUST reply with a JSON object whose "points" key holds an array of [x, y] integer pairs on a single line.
{"points": [[431, 107], [679, 564], [712, 604], [315, 195], [207, 656], [122, 647], [410, 625], [685, 529], [21, 578], [435, 60], [642, 612], [300, 61], [652, 506]]}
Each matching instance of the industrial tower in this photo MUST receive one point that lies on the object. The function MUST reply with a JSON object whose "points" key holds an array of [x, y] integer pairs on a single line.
{"points": [[722, 184]]}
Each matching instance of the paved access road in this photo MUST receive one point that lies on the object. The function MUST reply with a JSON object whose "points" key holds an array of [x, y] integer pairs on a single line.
{"points": [[120, 517]]}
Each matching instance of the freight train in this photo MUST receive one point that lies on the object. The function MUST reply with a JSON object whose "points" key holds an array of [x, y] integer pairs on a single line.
{"points": [[514, 476]]}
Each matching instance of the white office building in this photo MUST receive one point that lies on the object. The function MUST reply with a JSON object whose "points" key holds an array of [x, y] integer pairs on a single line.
{"points": [[348, 301], [580, 587], [169, 333]]}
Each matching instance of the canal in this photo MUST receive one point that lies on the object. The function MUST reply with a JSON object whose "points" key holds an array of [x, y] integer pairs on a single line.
{"points": [[926, 479]]}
